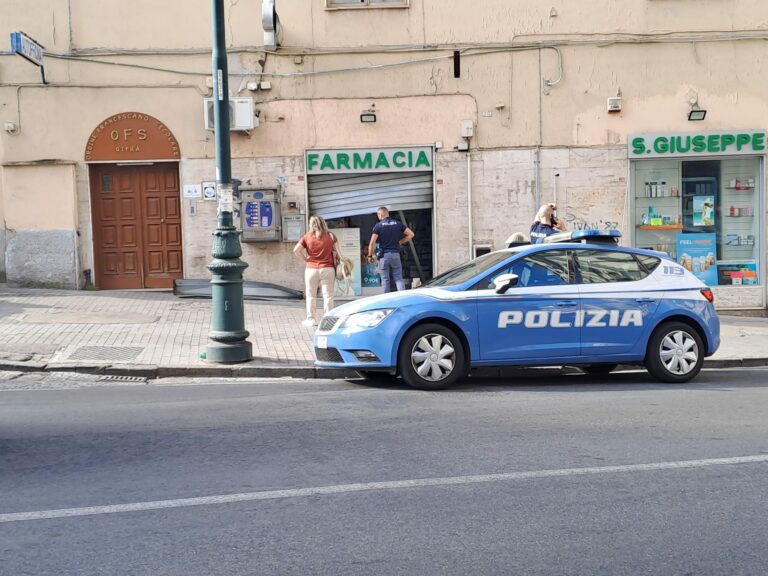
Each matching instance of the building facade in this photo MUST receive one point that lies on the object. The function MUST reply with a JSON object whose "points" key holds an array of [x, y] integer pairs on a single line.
{"points": [[462, 117]]}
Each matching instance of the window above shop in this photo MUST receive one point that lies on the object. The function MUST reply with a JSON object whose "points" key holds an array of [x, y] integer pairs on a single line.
{"points": [[344, 4]]}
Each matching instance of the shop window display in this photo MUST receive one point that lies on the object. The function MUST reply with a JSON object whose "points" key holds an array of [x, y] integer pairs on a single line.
{"points": [[704, 213]]}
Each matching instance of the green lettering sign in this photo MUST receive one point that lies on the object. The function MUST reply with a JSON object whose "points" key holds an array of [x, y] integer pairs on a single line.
{"points": [[327, 162], [702, 144], [713, 143], [381, 161], [362, 162], [342, 161], [742, 140], [422, 160]]}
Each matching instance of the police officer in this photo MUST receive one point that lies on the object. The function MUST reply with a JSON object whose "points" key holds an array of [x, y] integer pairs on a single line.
{"points": [[390, 234], [545, 224]]}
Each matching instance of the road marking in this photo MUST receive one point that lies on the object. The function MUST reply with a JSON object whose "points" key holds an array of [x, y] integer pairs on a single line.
{"points": [[372, 486]]}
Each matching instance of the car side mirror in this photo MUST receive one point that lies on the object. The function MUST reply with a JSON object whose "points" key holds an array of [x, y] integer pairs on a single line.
{"points": [[504, 282]]}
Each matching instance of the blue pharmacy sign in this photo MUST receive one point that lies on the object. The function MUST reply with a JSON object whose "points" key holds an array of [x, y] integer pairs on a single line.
{"points": [[697, 254]]}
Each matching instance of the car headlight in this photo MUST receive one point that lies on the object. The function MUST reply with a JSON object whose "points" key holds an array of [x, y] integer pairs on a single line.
{"points": [[368, 319]]}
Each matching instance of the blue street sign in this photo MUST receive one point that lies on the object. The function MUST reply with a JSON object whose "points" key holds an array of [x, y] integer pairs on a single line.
{"points": [[25, 46]]}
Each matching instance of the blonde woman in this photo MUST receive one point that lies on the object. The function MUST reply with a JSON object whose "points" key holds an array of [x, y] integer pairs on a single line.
{"points": [[316, 249], [545, 224]]}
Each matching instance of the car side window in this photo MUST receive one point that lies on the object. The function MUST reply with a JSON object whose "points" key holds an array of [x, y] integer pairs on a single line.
{"points": [[541, 269], [649, 262], [599, 266]]}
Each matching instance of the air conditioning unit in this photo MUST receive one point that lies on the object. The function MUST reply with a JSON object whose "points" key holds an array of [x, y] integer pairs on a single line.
{"points": [[241, 114]]}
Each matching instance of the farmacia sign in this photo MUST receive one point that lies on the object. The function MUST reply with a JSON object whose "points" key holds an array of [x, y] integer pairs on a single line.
{"points": [[361, 160], [676, 144]]}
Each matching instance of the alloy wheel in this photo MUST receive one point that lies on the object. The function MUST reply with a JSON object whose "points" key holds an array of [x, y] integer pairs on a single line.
{"points": [[679, 352], [433, 357]]}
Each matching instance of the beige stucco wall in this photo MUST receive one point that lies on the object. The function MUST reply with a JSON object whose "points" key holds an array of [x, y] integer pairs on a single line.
{"points": [[659, 55], [40, 217], [39, 197]]}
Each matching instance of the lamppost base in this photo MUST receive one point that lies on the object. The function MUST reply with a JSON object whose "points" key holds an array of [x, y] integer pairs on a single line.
{"points": [[229, 353]]}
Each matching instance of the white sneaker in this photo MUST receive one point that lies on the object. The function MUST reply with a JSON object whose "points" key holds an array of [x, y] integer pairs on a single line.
{"points": [[308, 322]]}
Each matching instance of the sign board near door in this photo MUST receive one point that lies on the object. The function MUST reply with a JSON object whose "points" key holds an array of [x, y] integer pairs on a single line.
{"points": [[369, 160]]}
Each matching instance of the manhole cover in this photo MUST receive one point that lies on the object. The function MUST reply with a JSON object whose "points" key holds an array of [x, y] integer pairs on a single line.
{"points": [[106, 353]]}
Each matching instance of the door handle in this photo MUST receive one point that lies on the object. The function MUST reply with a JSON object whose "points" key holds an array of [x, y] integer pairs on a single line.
{"points": [[645, 300], [566, 304]]}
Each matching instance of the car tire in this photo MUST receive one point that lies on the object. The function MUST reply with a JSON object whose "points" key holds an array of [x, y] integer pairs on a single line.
{"points": [[598, 369], [431, 357], [675, 353], [373, 376]]}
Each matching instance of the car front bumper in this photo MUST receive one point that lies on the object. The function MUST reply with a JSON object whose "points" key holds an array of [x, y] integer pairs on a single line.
{"points": [[338, 346]]}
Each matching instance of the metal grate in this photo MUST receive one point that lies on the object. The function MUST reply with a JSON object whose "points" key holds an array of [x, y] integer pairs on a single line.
{"points": [[327, 323], [328, 355], [106, 353], [121, 378]]}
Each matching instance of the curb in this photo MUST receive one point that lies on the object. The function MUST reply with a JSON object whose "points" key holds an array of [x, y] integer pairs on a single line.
{"points": [[306, 372], [151, 372]]}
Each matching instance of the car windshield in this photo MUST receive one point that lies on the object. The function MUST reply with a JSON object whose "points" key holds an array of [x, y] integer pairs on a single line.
{"points": [[467, 271]]}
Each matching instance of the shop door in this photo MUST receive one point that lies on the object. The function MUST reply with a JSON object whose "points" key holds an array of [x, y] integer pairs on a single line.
{"points": [[136, 214]]}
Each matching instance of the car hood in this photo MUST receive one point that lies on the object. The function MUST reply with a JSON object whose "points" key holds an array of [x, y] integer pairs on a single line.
{"points": [[393, 300]]}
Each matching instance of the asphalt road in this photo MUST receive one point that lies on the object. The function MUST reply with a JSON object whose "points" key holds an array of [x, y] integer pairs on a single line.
{"points": [[569, 475]]}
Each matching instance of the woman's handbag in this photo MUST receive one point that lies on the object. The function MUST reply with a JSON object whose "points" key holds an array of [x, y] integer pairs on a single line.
{"points": [[343, 267]]}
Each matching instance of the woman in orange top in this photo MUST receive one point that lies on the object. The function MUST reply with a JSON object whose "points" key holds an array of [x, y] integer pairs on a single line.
{"points": [[316, 248]]}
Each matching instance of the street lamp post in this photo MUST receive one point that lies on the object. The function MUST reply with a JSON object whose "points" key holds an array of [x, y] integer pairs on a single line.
{"points": [[228, 334]]}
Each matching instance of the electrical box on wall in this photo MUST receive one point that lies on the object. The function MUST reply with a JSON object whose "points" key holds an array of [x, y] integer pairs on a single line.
{"points": [[467, 129], [241, 114], [614, 104], [260, 215]]}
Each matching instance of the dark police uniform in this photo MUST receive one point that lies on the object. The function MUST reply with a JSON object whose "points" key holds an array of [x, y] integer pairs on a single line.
{"points": [[390, 232]]}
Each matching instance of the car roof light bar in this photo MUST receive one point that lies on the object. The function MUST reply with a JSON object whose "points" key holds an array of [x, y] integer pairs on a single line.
{"points": [[586, 236]]}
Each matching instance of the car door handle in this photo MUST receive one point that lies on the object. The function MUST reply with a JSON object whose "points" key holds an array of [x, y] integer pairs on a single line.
{"points": [[566, 304], [645, 300]]}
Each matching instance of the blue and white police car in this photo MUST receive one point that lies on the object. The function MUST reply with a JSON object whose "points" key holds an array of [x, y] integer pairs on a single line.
{"points": [[579, 299]]}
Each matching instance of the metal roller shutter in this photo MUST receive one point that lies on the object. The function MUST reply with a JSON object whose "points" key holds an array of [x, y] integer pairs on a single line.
{"points": [[337, 195]]}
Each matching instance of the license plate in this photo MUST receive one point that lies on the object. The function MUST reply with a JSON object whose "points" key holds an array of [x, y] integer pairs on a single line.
{"points": [[322, 341]]}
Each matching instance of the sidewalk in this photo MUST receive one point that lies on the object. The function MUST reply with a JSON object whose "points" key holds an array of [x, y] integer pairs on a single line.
{"points": [[154, 334]]}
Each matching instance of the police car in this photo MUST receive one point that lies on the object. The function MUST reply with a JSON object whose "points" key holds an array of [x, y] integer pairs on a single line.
{"points": [[579, 299]]}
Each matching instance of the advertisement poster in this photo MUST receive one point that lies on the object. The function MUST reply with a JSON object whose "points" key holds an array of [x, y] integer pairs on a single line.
{"points": [[696, 253], [371, 276], [349, 247], [703, 210], [737, 274]]}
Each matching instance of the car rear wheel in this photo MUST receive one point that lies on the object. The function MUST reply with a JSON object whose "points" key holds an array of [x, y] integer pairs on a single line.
{"points": [[431, 357], [675, 353], [598, 369]]}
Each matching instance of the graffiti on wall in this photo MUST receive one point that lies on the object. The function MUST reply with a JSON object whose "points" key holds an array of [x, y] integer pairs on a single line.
{"points": [[576, 223]]}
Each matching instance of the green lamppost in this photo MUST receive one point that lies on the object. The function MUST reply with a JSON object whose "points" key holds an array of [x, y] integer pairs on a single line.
{"points": [[228, 334]]}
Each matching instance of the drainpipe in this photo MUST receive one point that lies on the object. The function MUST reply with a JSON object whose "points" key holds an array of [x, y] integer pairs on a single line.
{"points": [[537, 188], [469, 202]]}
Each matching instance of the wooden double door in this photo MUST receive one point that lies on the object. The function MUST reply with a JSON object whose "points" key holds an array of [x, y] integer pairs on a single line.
{"points": [[136, 212]]}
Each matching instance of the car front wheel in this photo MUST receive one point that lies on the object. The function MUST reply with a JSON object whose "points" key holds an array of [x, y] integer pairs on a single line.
{"points": [[431, 357], [675, 353]]}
